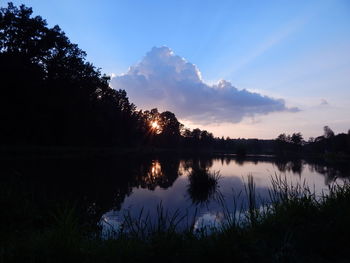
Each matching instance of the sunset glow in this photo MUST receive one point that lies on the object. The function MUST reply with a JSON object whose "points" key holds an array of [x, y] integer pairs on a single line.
{"points": [[154, 125], [263, 83], [157, 129]]}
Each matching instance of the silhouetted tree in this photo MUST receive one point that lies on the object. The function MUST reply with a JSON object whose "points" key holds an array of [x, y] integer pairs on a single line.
{"points": [[311, 139], [297, 138], [196, 134], [207, 138], [282, 137], [50, 94], [328, 133], [170, 128]]}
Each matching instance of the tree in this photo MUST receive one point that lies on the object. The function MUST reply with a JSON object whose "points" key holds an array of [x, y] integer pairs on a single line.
{"points": [[328, 133], [169, 123], [297, 138], [284, 138], [207, 138], [186, 133], [50, 94], [196, 134]]}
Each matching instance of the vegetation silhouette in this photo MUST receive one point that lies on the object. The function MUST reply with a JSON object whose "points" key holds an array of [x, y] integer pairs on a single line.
{"points": [[61, 99], [203, 185], [52, 97], [297, 224], [158, 172]]}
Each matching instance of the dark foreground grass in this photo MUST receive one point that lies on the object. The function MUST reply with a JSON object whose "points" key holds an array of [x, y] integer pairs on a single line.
{"points": [[295, 226]]}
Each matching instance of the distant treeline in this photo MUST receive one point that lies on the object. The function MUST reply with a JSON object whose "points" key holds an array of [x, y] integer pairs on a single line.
{"points": [[51, 96]]}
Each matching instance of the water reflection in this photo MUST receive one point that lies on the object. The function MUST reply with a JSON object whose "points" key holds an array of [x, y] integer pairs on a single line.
{"points": [[330, 173], [152, 176], [184, 184], [109, 186], [157, 173], [203, 185], [208, 220]]}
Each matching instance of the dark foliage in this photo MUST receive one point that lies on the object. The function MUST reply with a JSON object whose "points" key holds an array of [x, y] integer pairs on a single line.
{"points": [[38, 227], [51, 96], [202, 185]]}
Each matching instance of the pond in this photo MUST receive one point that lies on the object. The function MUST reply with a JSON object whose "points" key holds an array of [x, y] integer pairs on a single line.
{"points": [[173, 186], [106, 189]]}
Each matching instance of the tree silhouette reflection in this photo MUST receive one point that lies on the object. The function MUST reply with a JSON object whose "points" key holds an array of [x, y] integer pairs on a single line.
{"points": [[294, 166], [203, 185], [98, 185], [159, 172]]}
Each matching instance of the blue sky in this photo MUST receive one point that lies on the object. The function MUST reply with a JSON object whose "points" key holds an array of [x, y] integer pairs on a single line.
{"points": [[298, 51]]}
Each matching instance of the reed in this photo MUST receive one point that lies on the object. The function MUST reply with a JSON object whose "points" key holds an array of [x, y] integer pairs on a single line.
{"points": [[294, 225]]}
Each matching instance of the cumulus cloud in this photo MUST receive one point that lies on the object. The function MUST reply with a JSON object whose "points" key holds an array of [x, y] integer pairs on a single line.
{"points": [[168, 82]]}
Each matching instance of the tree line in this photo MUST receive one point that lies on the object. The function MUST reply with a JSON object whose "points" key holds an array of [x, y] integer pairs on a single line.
{"points": [[50, 95]]}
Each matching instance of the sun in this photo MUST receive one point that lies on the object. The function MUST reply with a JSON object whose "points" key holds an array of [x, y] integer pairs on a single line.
{"points": [[154, 125]]}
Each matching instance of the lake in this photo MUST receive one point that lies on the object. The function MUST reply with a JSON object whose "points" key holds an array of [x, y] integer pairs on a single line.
{"points": [[104, 189], [166, 183]]}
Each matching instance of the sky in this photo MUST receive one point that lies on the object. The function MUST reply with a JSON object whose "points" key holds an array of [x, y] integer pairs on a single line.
{"points": [[243, 69]]}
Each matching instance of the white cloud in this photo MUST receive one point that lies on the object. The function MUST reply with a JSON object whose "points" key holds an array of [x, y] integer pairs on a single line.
{"points": [[168, 82]]}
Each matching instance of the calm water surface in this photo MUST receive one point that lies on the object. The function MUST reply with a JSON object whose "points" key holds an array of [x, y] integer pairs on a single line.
{"points": [[165, 182]]}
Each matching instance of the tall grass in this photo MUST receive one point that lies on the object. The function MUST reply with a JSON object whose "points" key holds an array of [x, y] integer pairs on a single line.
{"points": [[294, 225], [144, 226]]}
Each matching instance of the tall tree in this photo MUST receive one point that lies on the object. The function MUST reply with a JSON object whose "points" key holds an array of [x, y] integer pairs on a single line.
{"points": [[297, 138], [328, 133], [50, 94]]}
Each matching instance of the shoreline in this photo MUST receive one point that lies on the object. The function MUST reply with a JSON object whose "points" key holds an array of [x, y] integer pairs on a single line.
{"points": [[78, 152]]}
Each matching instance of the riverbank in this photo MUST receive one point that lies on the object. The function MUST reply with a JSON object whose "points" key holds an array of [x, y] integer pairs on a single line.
{"points": [[70, 152], [294, 226]]}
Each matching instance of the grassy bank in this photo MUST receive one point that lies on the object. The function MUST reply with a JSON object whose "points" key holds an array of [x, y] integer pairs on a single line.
{"points": [[295, 225]]}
